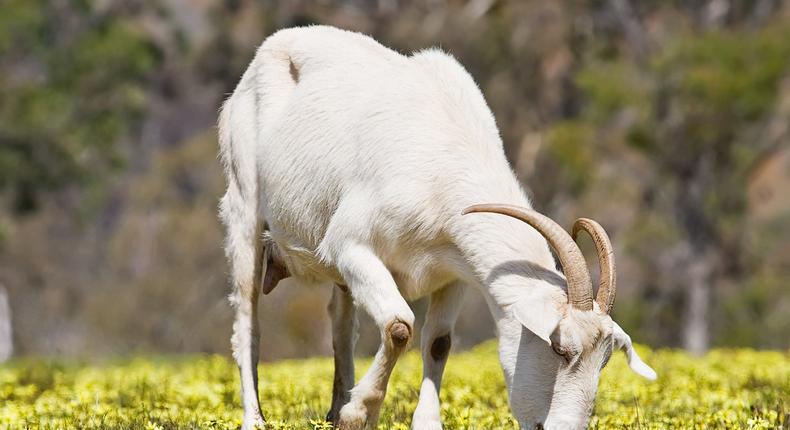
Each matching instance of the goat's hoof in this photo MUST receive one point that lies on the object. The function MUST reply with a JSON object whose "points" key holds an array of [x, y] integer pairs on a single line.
{"points": [[426, 425], [333, 416], [400, 333], [353, 424], [253, 423], [352, 417]]}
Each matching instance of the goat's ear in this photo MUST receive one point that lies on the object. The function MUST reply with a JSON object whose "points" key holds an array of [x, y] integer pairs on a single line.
{"points": [[623, 341], [538, 313]]}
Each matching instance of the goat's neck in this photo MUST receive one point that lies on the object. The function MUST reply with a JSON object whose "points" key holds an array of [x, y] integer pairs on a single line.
{"points": [[505, 256]]}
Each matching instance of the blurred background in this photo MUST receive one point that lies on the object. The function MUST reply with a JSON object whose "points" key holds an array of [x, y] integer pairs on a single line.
{"points": [[669, 121]]}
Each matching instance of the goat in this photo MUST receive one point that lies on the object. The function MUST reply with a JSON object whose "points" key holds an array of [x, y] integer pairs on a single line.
{"points": [[349, 163]]}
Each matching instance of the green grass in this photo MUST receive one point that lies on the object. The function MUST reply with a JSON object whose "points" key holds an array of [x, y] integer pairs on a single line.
{"points": [[727, 389]]}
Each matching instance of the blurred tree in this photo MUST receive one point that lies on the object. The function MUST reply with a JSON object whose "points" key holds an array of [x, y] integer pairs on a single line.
{"points": [[640, 105], [698, 112], [72, 79]]}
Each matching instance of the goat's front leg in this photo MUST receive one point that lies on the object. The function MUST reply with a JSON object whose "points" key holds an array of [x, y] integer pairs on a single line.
{"points": [[344, 336], [372, 287], [435, 343]]}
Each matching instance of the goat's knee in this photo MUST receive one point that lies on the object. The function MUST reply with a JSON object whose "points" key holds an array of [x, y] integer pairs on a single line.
{"points": [[399, 333]]}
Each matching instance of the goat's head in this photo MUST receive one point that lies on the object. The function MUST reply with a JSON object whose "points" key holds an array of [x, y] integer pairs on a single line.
{"points": [[553, 346]]}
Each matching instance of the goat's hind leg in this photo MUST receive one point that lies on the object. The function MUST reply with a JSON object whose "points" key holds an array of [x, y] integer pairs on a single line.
{"points": [[244, 250], [344, 336]]}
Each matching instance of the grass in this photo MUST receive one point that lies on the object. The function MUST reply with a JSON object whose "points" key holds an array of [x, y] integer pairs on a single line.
{"points": [[726, 389]]}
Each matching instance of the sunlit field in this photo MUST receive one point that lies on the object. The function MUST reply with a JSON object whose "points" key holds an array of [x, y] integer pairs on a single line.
{"points": [[727, 389]]}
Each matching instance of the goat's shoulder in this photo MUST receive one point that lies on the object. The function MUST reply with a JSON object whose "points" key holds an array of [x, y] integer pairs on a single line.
{"points": [[451, 90], [443, 67]]}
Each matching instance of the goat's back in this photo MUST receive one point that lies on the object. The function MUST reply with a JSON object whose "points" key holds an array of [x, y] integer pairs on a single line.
{"points": [[358, 142]]}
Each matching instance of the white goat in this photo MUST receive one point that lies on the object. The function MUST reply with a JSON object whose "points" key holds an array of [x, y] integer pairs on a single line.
{"points": [[348, 162]]}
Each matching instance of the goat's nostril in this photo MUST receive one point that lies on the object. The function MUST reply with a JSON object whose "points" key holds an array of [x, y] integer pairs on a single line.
{"points": [[538, 426]]}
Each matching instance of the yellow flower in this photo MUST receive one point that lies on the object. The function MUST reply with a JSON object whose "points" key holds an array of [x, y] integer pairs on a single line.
{"points": [[726, 389]]}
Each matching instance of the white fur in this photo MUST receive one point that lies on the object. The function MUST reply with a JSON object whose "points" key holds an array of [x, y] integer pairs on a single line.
{"points": [[360, 161]]}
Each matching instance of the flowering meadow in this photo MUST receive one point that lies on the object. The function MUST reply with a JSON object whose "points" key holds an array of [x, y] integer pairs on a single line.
{"points": [[726, 389]]}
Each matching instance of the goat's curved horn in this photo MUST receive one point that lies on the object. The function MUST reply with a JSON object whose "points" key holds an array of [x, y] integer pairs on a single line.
{"points": [[571, 258], [608, 285]]}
